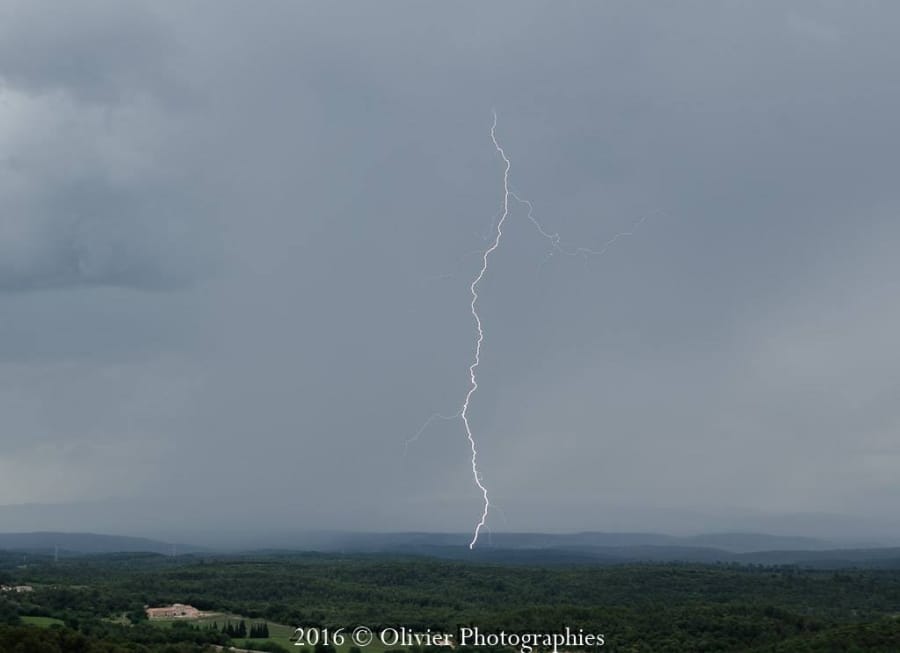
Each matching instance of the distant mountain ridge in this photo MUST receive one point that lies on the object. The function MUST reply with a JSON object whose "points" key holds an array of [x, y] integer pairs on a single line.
{"points": [[604, 548], [87, 543], [504, 548]]}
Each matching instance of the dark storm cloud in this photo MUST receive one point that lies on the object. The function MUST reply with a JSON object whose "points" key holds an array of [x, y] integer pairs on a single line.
{"points": [[314, 180], [67, 47], [94, 191], [88, 237]]}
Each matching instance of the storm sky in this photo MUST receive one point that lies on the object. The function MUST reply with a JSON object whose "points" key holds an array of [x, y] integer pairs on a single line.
{"points": [[236, 242]]}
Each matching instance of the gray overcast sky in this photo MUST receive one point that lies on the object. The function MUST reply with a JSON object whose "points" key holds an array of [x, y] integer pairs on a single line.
{"points": [[236, 241]]}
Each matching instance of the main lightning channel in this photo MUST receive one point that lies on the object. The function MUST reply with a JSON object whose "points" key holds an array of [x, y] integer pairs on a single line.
{"points": [[473, 288], [556, 247]]}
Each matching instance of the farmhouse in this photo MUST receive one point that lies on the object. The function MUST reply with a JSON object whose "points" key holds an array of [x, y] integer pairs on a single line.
{"points": [[174, 611], [16, 588]]}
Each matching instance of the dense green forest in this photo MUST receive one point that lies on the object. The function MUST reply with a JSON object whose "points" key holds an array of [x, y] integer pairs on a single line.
{"points": [[660, 607]]}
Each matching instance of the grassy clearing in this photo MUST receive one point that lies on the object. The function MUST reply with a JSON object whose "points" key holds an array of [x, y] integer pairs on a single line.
{"points": [[122, 619], [42, 622], [281, 634], [278, 633]]}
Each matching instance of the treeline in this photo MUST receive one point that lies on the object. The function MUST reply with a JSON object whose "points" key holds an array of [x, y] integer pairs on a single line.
{"points": [[658, 607], [239, 630], [105, 639]]}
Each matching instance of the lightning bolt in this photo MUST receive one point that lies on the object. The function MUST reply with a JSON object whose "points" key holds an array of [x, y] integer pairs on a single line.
{"points": [[557, 247], [473, 288]]}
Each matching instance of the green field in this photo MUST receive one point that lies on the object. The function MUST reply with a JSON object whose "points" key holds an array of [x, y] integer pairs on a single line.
{"points": [[43, 622], [279, 633]]}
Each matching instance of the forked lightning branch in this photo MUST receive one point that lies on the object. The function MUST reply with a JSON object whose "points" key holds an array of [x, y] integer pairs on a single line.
{"points": [[557, 247]]}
